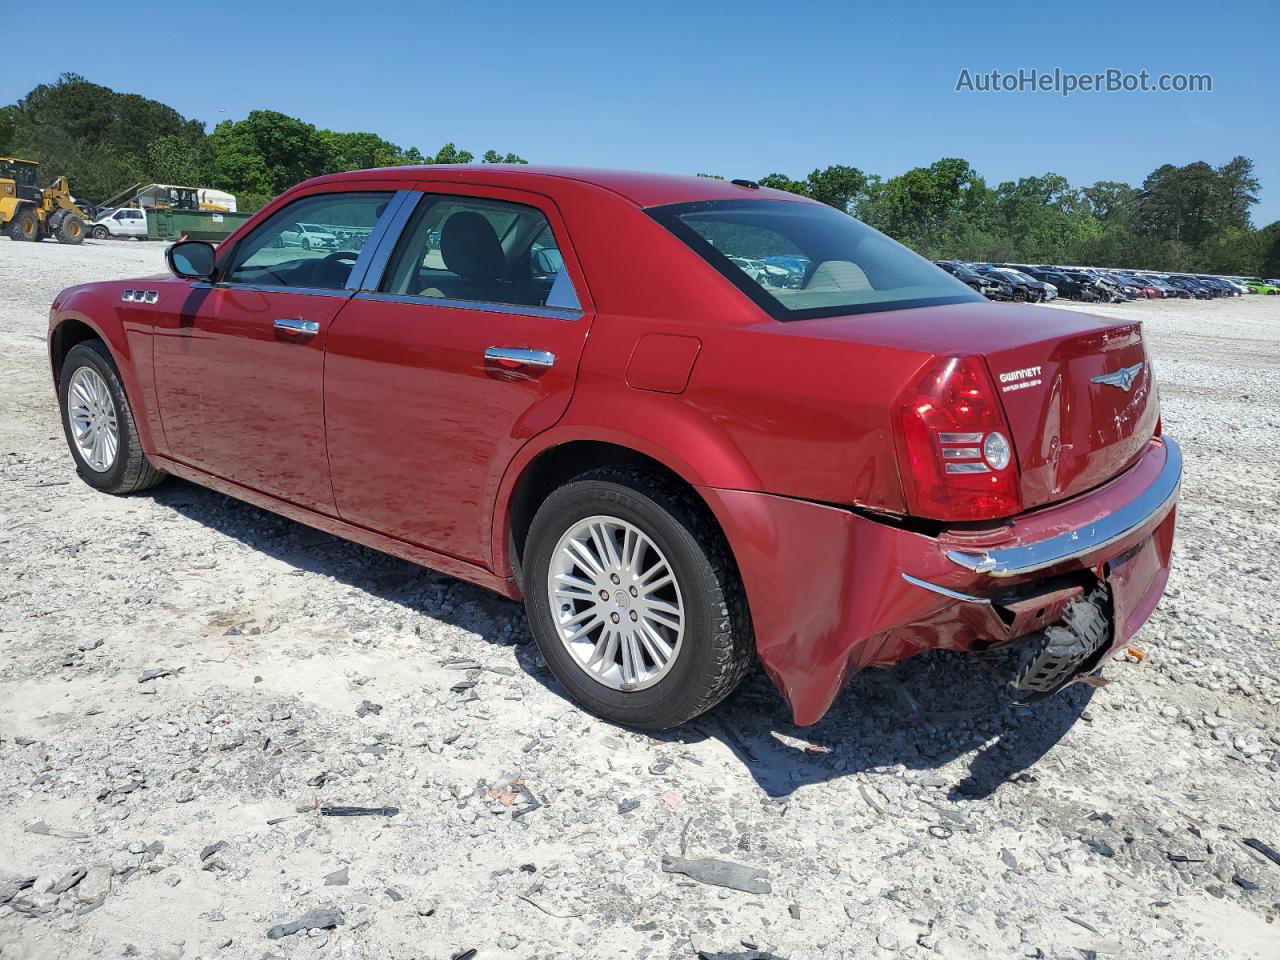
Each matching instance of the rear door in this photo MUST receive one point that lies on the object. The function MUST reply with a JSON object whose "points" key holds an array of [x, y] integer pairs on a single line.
{"points": [[239, 366], [466, 346]]}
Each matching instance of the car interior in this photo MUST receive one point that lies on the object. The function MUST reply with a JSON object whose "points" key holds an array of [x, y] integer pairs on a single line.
{"points": [[477, 250], [265, 258]]}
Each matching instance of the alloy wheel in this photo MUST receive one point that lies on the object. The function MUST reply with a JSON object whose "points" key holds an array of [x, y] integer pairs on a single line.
{"points": [[616, 603], [92, 415]]}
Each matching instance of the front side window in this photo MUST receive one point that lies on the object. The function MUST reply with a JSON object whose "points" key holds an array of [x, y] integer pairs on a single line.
{"points": [[487, 251], [801, 260], [313, 242]]}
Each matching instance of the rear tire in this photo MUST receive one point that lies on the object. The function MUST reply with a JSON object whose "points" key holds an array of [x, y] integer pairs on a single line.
{"points": [[716, 647], [127, 470], [25, 225]]}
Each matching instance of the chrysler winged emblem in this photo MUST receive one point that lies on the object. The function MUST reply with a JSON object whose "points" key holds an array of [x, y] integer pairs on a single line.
{"points": [[1122, 378]]}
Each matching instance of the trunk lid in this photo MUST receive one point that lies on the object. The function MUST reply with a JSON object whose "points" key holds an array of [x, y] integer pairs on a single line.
{"points": [[1081, 408], [1070, 432]]}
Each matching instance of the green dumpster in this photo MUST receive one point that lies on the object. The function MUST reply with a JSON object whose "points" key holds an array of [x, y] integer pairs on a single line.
{"points": [[171, 224]]}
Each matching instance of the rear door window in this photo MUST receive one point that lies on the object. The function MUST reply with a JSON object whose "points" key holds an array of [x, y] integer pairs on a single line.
{"points": [[473, 249]]}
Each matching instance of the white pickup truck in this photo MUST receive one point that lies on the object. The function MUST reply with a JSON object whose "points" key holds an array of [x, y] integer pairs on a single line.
{"points": [[122, 223]]}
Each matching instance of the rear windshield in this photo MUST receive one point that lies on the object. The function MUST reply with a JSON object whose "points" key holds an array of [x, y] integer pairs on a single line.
{"points": [[801, 260]]}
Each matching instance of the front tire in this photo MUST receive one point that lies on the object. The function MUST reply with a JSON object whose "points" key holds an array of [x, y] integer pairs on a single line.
{"points": [[70, 230], [101, 233], [634, 599], [99, 424]]}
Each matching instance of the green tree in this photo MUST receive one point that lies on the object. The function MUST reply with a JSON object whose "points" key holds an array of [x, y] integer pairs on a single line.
{"points": [[451, 154], [95, 136], [493, 156], [929, 208], [1238, 190], [1182, 203], [1269, 258], [8, 130], [780, 181], [268, 152], [839, 186], [180, 160]]}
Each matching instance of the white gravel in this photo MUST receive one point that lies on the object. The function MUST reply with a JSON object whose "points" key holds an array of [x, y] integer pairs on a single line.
{"points": [[921, 818]]}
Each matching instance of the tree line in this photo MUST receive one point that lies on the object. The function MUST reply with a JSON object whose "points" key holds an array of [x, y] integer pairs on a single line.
{"points": [[1191, 218], [1194, 217], [105, 141]]}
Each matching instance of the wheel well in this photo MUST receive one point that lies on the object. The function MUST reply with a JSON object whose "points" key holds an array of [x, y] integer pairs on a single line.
{"points": [[65, 336], [553, 468]]}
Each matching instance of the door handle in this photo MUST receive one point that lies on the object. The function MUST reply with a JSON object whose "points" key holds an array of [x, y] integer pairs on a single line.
{"points": [[296, 326], [512, 357]]}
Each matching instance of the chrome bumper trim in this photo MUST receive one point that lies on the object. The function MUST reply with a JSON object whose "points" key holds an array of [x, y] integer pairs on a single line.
{"points": [[1115, 526], [943, 591]]}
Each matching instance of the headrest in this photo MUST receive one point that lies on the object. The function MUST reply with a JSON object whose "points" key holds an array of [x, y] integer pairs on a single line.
{"points": [[470, 247]]}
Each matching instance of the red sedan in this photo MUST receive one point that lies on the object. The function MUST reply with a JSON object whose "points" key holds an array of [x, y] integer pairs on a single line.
{"points": [[690, 422]]}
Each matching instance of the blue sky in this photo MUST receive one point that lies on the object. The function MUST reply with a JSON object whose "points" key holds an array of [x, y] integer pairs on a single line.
{"points": [[738, 88]]}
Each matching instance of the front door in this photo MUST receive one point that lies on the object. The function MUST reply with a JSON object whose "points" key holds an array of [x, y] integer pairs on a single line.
{"points": [[468, 347], [239, 367]]}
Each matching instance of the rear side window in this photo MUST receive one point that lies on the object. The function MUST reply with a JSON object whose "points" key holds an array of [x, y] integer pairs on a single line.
{"points": [[313, 242], [477, 250], [801, 260]]}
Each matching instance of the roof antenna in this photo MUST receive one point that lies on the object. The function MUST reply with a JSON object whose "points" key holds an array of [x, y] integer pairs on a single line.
{"points": [[749, 184]]}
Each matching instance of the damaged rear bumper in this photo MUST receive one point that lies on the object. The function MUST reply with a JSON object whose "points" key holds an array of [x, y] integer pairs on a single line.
{"points": [[832, 591]]}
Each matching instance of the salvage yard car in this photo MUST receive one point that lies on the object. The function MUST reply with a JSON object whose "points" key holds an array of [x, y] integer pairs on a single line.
{"points": [[679, 469]]}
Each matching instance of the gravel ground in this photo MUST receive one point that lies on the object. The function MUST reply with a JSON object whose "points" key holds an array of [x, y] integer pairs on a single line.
{"points": [[185, 815]]}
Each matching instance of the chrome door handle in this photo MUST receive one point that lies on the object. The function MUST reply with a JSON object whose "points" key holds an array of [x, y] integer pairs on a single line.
{"points": [[513, 356], [296, 326]]}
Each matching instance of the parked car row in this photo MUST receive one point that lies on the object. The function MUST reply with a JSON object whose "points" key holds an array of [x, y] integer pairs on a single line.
{"points": [[1002, 281], [1042, 282]]}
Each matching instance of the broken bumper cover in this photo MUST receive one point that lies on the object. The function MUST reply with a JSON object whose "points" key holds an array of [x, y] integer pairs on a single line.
{"points": [[832, 591]]}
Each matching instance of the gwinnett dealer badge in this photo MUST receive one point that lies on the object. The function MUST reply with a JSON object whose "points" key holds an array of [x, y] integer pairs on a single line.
{"points": [[1012, 380]]}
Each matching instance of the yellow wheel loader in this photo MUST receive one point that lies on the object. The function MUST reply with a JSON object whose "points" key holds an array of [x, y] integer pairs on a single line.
{"points": [[30, 212]]}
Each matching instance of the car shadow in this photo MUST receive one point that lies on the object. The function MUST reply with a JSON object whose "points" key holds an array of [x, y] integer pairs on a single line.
{"points": [[921, 714], [416, 589]]}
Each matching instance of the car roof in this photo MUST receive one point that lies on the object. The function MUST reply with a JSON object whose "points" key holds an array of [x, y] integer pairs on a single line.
{"points": [[642, 189]]}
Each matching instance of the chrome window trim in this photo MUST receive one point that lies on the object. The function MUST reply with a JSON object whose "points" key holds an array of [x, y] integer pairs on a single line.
{"points": [[383, 241], [1115, 526], [485, 306], [342, 293]]}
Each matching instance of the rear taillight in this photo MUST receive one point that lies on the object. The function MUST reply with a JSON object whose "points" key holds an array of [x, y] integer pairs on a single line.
{"points": [[957, 459]]}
